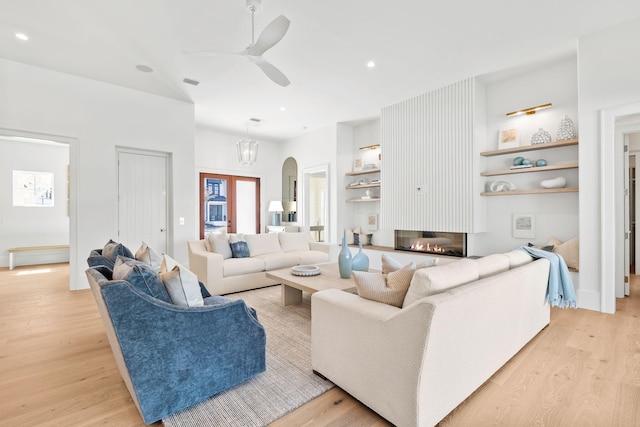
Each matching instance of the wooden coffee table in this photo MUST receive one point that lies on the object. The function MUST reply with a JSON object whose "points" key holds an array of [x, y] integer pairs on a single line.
{"points": [[293, 286]]}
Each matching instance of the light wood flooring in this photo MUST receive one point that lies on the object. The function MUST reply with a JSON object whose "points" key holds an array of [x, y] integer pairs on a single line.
{"points": [[56, 368]]}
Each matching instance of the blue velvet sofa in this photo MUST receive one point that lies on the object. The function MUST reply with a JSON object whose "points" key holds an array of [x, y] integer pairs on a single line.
{"points": [[171, 357]]}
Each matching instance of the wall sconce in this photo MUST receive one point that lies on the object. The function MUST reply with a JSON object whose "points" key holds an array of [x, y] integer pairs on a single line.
{"points": [[370, 147], [275, 206], [528, 111], [247, 151]]}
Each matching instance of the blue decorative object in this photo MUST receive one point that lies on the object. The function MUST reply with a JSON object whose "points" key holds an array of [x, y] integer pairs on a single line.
{"points": [[526, 162], [518, 161], [344, 259], [239, 249], [541, 162], [360, 261]]}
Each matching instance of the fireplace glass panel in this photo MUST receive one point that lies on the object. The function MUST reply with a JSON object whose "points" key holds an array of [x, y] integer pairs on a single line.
{"points": [[433, 242]]}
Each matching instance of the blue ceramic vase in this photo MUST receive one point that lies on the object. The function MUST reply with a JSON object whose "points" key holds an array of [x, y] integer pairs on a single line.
{"points": [[360, 261], [344, 259]]}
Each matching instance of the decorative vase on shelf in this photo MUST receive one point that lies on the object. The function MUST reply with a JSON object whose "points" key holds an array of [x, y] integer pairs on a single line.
{"points": [[360, 261], [344, 259], [566, 129], [541, 136]]}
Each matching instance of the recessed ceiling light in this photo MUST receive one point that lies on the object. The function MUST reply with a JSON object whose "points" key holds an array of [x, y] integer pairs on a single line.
{"points": [[371, 64], [144, 68], [282, 109], [22, 36], [189, 81]]}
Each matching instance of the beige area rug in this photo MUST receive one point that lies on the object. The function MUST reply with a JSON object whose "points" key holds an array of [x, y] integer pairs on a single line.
{"points": [[288, 382]]}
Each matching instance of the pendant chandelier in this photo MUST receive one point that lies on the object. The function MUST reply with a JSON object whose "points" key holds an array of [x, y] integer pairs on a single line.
{"points": [[247, 151]]}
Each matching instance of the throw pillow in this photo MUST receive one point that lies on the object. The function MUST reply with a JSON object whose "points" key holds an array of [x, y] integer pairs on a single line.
{"points": [[239, 250], [141, 276], [548, 248], [219, 243], [349, 234], [183, 287], [149, 256], [430, 281], [569, 250], [112, 249], [389, 289]]}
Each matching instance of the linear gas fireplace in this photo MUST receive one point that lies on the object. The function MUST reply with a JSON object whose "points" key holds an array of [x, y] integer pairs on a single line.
{"points": [[432, 242]]}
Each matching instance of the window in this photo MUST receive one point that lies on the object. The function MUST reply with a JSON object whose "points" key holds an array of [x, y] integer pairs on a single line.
{"points": [[32, 188]]}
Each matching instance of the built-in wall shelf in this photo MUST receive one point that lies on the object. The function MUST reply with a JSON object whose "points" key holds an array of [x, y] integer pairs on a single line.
{"points": [[573, 165], [355, 187], [362, 172], [538, 191], [373, 199], [534, 147]]}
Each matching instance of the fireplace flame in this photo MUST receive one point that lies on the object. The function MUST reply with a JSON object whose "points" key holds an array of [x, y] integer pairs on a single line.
{"points": [[419, 246]]}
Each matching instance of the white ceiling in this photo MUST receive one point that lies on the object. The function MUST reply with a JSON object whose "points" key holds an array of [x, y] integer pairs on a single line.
{"points": [[418, 45]]}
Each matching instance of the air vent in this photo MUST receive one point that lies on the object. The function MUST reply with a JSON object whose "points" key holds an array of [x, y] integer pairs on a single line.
{"points": [[254, 120], [190, 81]]}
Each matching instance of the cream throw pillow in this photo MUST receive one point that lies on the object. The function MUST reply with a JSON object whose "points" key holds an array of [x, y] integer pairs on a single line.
{"points": [[219, 243], [181, 284], [349, 234], [389, 289], [149, 256], [569, 250], [429, 281]]}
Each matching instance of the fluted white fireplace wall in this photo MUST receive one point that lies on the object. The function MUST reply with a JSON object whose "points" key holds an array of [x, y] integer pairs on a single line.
{"points": [[430, 169]]}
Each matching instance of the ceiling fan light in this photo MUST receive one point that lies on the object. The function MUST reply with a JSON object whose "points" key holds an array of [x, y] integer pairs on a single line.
{"points": [[247, 151]]}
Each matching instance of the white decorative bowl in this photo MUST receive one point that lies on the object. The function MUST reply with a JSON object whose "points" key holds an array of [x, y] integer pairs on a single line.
{"points": [[305, 270]]}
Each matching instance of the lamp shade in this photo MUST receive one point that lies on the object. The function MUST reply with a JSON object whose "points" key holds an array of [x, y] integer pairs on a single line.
{"points": [[247, 151], [275, 206]]}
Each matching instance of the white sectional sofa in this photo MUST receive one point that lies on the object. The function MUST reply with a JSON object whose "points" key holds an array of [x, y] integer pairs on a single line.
{"points": [[212, 260], [413, 365]]}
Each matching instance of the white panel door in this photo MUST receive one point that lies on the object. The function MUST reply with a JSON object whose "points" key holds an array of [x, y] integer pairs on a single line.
{"points": [[246, 207], [142, 200]]}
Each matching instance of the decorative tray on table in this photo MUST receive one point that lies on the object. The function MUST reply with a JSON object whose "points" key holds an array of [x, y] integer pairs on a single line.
{"points": [[305, 270]]}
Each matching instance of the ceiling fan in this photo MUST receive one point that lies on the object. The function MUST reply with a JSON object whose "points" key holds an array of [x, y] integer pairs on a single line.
{"points": [[270, 36]]}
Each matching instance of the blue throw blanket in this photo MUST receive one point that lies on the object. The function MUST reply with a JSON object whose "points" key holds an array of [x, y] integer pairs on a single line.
{"points": [[560, 292]]}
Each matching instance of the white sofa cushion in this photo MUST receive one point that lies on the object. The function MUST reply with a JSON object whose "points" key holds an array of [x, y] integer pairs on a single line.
{"points": [[239, 266], [311, 257], [386, 288], [279, 260], [429, 281], [290, 242], [263, 244], [518, 258], [492, 264], [389, 264]]}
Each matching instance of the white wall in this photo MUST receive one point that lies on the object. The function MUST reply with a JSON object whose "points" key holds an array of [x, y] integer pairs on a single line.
{"points": [[33, 226], [216, 152], [556, 214], [96, 117], [313, 149], [608, 69]]}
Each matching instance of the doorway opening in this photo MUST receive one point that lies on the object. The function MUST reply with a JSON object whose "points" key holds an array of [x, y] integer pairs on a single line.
{"points": [[229, 203], [63, 229]]}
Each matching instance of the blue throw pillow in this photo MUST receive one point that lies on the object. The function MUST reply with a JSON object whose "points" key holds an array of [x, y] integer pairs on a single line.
{"points": [[240, 250], [142, 276], [112, 249]]}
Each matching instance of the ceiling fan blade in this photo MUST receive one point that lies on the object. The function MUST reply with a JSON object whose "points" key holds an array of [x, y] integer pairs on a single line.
{"points": [[272, 72], [212, 53], [272, 34]]}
